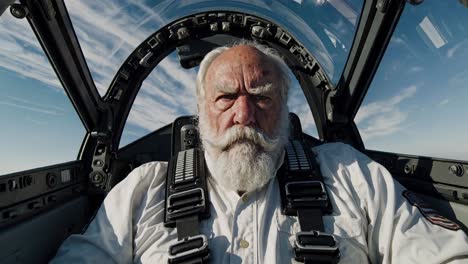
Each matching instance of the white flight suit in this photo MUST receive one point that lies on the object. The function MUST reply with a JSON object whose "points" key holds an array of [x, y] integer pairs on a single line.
{"points": [[372, 221]]}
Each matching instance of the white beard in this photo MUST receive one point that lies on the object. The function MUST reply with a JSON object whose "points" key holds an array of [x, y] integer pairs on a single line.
{"points": [[244, 158]]}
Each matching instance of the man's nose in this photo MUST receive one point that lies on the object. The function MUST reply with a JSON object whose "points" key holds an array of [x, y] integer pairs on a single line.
{"points": [[244, 111]]}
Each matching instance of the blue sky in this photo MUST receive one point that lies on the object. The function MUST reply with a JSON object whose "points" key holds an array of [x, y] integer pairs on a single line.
{"points": [[36, 115], [416, 104]]}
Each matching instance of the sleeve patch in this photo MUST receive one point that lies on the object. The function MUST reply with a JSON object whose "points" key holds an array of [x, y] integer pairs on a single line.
{"points": [[430, 214]]}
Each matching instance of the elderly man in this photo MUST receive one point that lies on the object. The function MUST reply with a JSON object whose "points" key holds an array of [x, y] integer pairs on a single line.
{"points": [[242, 94]]}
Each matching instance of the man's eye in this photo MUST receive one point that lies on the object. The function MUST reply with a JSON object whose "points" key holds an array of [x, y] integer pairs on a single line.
{"points": [[260, 98], [227, 97]]}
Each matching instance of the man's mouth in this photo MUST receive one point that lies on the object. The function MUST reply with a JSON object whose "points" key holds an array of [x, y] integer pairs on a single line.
{"points": [[240, 141]]}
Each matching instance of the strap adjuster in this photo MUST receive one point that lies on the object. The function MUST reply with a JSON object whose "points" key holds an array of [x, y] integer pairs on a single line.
{"points": [[306, 194], [185, 203], [189, 250], [316, 245]]}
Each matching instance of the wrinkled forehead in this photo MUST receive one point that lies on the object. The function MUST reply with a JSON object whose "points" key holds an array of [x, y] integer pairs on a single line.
{"points": [[248, 76], [248, 68]]}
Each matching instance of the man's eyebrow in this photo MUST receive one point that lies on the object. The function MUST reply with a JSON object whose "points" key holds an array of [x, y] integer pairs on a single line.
{"points": [[263, 89], [223, 88]]}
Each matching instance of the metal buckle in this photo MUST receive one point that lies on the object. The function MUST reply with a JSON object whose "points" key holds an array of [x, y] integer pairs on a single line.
{"points": [[185, 203], [301, 194], [193, 249], [317, 250]]}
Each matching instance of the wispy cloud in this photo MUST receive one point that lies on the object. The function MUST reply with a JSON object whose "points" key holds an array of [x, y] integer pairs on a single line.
{"points": [[297, 104], [402, 41], [459, 80], [415, 69], [397, 40], [41, 109], [151, 114], [107, 36], [444, 102], [462, 45], [377, 107], [381, 118], [22, 54], [37, 121], [383, 124], [132, 133], [28, 102], [167, 92], [163, 97]]}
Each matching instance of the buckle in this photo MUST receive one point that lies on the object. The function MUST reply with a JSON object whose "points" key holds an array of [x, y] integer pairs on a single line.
{"points": [[189, 250], [185, 203], [316, 246], [306, 194]]}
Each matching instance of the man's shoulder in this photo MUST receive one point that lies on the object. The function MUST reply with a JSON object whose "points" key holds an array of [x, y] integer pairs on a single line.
{"points": [[144, 176], [344, 165], [339, 152], [153, 167]]}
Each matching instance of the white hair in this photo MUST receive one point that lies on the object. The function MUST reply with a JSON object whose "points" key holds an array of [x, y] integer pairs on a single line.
{"points": [[270, 53]]}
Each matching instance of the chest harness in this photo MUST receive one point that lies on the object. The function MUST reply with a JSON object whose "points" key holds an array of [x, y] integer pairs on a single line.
{"points": [[302, 190]]}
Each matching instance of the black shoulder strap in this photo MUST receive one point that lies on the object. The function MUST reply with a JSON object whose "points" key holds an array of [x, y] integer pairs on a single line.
{"points": [[186, 194], [186, 204], [303, 194]]}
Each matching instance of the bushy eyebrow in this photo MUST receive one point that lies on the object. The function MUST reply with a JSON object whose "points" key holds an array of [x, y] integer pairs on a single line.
{"points": [[263, 89], [223, 88]]}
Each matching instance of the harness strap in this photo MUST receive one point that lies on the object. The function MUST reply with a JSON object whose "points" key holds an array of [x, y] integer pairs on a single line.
{"points": [[304, 195], [186, 204], [310, 219], [187, 227]]}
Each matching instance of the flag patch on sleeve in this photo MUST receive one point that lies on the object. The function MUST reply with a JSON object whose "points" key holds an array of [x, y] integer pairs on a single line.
{"points": [[430, 214]]}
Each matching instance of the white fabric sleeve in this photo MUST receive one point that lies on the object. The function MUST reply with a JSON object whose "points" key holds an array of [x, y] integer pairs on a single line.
{"points": [[397, 230], [109, 237]]}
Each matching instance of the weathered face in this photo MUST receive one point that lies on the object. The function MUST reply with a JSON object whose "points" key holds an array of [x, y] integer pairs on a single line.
{"points": [[241, 88], [243, 119]]}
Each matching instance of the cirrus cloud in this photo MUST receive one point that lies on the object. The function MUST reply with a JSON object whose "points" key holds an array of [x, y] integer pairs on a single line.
{"points": [[385, 117]]}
